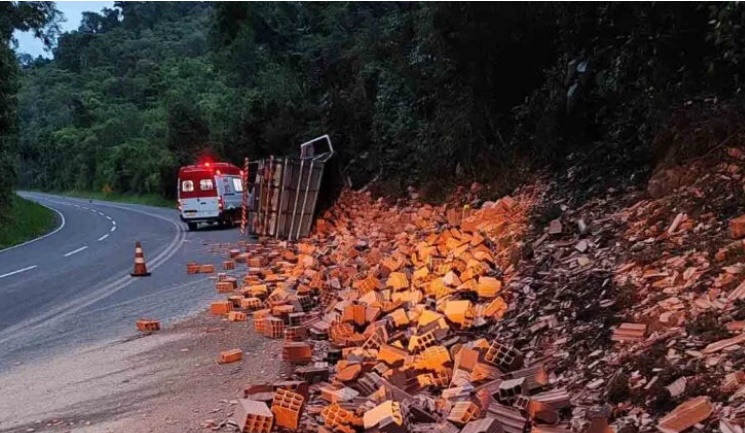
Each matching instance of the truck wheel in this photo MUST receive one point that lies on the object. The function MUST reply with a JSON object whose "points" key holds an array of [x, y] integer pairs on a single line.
{"points": [[192, 226]]}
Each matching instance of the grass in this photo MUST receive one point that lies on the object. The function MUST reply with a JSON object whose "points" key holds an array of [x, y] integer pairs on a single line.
{"points": [[27, 220], [146, 199]]}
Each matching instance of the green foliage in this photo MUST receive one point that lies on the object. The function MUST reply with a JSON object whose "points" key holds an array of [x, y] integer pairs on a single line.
{"points": [[145, 199], [24, 220], [431, 94], [39, 17], [126, 100]]}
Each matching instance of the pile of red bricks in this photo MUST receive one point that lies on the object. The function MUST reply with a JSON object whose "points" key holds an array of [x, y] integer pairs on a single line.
{"points": [[615, 315], [386, 314]]}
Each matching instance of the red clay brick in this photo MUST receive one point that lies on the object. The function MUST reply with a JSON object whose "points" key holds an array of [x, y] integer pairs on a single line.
{"points": [[228, 356], [253, 416], [287, 408], [221, 307], [206, 269], [147, 325], [297, 352], [237, 316]]}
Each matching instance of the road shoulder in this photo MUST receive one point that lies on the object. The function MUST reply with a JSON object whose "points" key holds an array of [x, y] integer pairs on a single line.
{"points": [[26, 222], [164, 382]]}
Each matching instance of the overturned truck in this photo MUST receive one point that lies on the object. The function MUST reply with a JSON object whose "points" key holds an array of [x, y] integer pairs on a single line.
{"points": [[288, 190]]}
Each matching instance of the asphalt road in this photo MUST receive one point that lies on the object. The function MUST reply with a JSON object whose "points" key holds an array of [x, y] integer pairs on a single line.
{"points": [[73, 286]]}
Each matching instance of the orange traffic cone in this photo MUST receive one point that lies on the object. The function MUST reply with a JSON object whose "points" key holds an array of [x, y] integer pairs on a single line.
{"points": [[140, 268]]}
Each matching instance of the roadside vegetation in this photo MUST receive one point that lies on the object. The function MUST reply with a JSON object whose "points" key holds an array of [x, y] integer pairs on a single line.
{"points": [[145, 199], [429, 95], [25, 221], [40, 18]]}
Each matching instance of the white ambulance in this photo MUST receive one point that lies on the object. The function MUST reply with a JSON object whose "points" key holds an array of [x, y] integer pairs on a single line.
{"points": [[210, 192]]}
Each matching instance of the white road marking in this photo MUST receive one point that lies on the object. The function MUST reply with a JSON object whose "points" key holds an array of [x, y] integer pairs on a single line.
{"points": [[62, 311], [103, 237], [113, 222], [76, 205], [113, 228], [85, 208], [18, 271], [108, 217], [62, 225], [101, 213], [75, 251]]}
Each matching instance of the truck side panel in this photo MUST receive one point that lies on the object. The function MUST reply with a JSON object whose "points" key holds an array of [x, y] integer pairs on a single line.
{"points": [[231, 191]]}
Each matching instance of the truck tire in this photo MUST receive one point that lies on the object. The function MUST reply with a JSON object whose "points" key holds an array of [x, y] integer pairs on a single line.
{"points": [[192, 226], [229, 220]]}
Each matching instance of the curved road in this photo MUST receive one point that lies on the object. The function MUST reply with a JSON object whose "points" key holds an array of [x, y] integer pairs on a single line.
{"points": [[73, 285]]}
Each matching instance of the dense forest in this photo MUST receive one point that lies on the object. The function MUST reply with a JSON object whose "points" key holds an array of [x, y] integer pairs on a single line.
{"points": [[39, 18], [424, 94]]}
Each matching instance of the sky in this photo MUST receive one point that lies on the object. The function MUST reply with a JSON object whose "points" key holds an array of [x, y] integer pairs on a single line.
{"points": [[72, 11]]}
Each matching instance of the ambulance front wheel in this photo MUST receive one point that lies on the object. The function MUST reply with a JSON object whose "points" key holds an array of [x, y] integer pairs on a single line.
{"points": [[192, 226]]}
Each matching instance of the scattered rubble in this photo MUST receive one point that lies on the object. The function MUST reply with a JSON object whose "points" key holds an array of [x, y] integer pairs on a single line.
{"points": [[617, 315]]}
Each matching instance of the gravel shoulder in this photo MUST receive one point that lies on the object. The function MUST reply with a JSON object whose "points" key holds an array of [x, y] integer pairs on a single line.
{"points": [[165, 382]]}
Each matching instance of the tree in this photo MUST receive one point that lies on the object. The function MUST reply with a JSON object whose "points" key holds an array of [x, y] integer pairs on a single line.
{"points": [[427, 94], [39, 17], [93, 22]]}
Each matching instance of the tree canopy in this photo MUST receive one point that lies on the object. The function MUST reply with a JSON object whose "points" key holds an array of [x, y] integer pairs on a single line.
{"points": [[39, 17], [412, 93]]}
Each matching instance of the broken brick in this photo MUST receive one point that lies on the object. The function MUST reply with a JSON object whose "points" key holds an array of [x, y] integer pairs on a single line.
{"points": [[464, 412], [433, 358], [484, 425], [392, 355], [397, 281], [349, 373], [386, 417], [687, 415], [488, 287], [459, 312], [737, 227], [629, 332]]}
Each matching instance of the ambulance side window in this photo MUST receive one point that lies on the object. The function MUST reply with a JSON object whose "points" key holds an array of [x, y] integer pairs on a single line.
{"points": [[237, 185], [187, 186]]}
